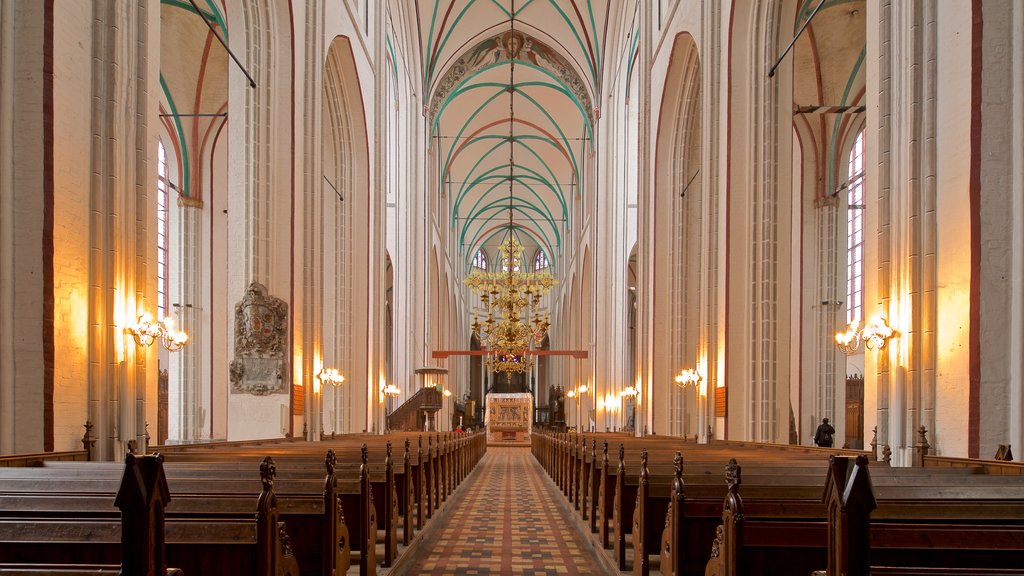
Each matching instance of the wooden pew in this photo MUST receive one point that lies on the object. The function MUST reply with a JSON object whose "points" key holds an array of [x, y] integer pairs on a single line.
{"points": [[232, 535], [924, 527], [973, 530], [382, 488], [309, 505], [136, 538]]}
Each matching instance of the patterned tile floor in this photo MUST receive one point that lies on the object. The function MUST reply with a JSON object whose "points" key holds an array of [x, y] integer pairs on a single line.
{"points": [[508, 522]]}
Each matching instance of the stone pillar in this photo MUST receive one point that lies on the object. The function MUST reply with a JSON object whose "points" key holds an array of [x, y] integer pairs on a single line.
{"points": [[118, 230]]}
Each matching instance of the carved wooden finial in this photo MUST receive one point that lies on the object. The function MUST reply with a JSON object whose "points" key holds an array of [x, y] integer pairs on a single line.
{"points": [[643, 457], [407, 444], [622, 452], [604, 450], [677, 464], [922, 437], [363, 454], [268, 472], [887, 455], [389, 448], [732, 475], [88, 441], [331, 461]]}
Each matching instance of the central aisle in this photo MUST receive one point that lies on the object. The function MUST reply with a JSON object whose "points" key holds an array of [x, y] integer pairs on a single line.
{"points": [[506, 520]]}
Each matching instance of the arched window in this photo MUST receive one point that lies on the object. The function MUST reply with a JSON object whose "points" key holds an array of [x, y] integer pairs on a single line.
{"points": [[162, 198], [855, 234], [540, 261], [480, 260]]}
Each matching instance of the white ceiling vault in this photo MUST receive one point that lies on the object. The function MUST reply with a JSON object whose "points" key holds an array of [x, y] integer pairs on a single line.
{"points": [[477, 74]]}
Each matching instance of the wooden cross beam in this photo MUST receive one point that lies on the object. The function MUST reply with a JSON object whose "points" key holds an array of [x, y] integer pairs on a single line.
{"points": [[579, 354]]}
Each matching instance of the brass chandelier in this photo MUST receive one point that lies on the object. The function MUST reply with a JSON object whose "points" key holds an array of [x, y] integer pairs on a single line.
{"points": [[511, 296]]}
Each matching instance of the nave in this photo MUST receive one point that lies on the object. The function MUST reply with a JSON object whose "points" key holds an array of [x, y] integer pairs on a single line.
{"points": [[507, 520]]}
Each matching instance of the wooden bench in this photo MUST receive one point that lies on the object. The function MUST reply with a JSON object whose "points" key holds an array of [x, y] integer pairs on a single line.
{"points": [[924, 527], [43, 518]]}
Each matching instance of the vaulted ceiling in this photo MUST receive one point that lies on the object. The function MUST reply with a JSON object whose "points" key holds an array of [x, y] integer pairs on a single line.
{"points": [[511, 89]]}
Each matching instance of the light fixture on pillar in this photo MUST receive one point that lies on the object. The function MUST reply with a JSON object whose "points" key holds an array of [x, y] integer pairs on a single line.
{"points": [[145, 331], [173, 340], [630, 392], [390, 392], [874, 335], [331, 376], [688, 377]]}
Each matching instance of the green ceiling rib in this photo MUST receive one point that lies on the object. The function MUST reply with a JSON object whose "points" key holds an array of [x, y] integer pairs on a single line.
{"points": [[430, 44], [583, 48], [504, 228], [504, 139], [185, 164], [218, 17], [499, 206], [184, 5], [833, 143], [551, 172], [567, 150], [394, 65], [502, 8], [541, 69], [521, 180], [632, 58], [469, 174], [464, 191], [440, 47], [597, 43], [565, 139], [502, 88], [465, 125], [523, 7]]}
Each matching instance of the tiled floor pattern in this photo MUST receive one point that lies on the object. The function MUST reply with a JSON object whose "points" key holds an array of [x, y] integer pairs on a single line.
{"points": [[509, 523]]}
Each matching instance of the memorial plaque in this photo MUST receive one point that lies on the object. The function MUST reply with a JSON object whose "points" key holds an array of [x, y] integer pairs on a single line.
{"points": [[261, 336]]}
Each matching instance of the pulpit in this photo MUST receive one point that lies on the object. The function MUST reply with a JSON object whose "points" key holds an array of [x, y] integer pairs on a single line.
{"points": [[509, 419]]}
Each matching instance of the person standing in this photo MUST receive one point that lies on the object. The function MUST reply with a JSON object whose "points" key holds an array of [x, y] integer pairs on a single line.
{"points": [[823, 436]]}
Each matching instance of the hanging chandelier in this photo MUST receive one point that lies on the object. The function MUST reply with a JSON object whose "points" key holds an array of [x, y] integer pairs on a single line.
{"points": [[511, 296]]}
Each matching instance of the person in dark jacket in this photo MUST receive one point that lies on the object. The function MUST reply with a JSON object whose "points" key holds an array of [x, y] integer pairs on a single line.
{"points": [[823, 436]]}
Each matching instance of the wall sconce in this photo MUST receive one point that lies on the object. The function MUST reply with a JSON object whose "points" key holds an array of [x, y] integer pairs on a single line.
{"points": [[331, 376], [447, 393], [392, 390], [629, 392], [688, 377], [173, 340], [145, 331], [874, 335]]}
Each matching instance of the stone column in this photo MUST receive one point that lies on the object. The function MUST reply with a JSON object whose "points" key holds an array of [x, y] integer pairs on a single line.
{"points": [[118, 230]]}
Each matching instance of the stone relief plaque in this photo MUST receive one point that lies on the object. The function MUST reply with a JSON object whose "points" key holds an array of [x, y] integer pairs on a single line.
{"points": [[261, 337]]}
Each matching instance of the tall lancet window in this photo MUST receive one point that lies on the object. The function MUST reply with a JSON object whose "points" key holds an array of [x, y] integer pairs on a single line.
{"points": [[540, 261], [480, 260], [855, 234], [162, 199]]}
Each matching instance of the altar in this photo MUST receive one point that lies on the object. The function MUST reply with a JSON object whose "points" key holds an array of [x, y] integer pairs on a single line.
{"points": [[509, 419]]}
